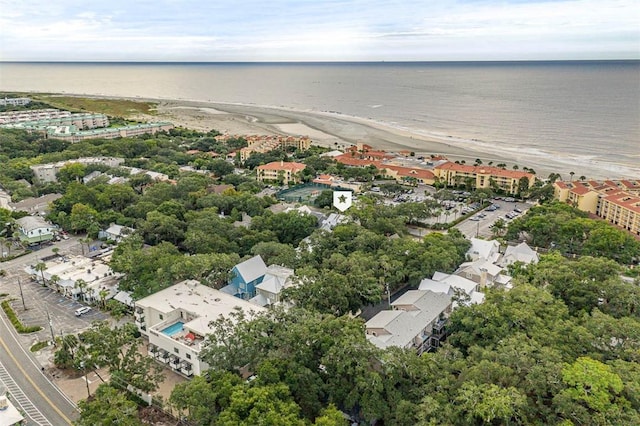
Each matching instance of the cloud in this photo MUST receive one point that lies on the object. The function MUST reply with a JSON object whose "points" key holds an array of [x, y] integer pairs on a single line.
{"points": [[316, 30]]}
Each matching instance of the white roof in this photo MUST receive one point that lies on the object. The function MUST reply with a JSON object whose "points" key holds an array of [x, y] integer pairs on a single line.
{"points": [[478, 265], [402, 327], [276, 279], [124, 297], [456, 281], [522, 252], [435, 286], [205, 303], [118, 230], [333, 153], [486, 249], [251, 269], [29, 223]]}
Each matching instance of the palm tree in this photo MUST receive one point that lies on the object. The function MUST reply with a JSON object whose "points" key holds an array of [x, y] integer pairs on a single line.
{"points": [[103, 297], [81, 285], [41, 267], [571, 174], [54, 281], [583, 178]]}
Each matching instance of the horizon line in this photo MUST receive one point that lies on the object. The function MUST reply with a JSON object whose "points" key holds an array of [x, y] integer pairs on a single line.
{"points": [[312, 62]]}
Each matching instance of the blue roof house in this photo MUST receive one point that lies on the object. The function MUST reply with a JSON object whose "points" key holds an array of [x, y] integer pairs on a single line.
{"points": [[246, 276]]}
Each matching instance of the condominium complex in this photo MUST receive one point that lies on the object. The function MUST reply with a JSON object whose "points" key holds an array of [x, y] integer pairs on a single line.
{"points": [[79, 121], [616, 201], [453, 174], [177, 320], [11, 117], [14, 101], [75, 127], [267, 143], [287, 172], [73, 135]]}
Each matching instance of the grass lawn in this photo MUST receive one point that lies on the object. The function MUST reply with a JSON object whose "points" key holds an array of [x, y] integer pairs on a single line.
{"points": [[111, 107]]}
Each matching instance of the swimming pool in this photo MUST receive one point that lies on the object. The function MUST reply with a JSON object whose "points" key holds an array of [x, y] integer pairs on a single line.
{"points": [[173, 328]]}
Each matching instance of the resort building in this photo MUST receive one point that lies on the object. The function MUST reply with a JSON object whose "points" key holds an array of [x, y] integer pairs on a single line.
{"points": [[616, 201], [280, 171], [79, 121], [509, 181], [410, 175], [176, 322], [71, 134], [14, 101], [267, 143], [48, 172], [35, 230], [416, 322], [10, 117]]}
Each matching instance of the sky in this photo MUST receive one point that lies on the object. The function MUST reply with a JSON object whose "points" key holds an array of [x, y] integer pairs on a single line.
{"points": [[318, 30]]}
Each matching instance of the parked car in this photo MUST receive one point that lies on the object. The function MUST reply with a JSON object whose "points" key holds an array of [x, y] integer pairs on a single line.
{"points": [[517, 210], [81, 311], [510, 199]]}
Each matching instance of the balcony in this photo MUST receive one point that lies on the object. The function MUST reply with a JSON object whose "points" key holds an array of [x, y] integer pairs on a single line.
{"points": [[152, 350], [186, 368], [163, 356]]}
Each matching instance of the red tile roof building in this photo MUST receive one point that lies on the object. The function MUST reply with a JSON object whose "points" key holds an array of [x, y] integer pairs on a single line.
{"points": [[617, 202], [286, 172], [453, 174]]}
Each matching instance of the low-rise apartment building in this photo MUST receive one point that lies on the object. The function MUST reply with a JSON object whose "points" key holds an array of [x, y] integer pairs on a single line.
{"points": [[31, 115], [267, 143], [78, 121], [176, 322], [616, 201], [280, 171], [48, 172], [453, 174], [14, 101]]}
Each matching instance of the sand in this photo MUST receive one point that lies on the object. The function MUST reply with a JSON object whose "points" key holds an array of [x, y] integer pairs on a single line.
{"points": [[335, 130]]}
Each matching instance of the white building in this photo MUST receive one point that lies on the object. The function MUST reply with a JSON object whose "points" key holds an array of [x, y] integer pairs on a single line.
{"points": [[176, 322], [34, 229], [453, 285], [416, 322], [81, 278], [116, 232], [15, 101], [483, 249], [276, 279], [520, 253], [48, 172]]}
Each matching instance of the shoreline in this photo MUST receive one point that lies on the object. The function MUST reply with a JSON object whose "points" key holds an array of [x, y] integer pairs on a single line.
{"points": [[337, 130]]}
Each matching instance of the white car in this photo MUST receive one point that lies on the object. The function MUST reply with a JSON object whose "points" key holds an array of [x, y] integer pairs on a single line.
{"points": [[81, 311]]}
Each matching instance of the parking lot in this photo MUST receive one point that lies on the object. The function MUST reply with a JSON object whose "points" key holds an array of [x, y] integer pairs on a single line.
{"points": [[479, 225], [42, 303]]}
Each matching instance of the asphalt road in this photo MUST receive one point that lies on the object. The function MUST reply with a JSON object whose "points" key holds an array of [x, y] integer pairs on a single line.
{"points": [[31, 391], [39, 399]]}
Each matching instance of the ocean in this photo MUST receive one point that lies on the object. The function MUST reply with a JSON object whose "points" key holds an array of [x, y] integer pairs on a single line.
{"points": [[580, 114]]}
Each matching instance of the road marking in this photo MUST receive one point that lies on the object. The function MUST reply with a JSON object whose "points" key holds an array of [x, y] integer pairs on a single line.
{"points": [[21, 399], [6, 348]]}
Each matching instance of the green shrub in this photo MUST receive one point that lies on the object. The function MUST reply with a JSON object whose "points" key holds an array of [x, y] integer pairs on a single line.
{"points": [[20, 328]]}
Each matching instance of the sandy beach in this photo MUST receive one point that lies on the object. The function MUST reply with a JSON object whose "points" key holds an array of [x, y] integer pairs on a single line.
{"points": [[328, 129]]}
